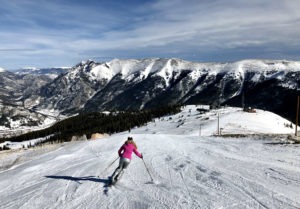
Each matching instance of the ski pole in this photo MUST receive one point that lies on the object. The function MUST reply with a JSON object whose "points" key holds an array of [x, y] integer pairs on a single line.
{"points": [[109, 165], [147, 169]]}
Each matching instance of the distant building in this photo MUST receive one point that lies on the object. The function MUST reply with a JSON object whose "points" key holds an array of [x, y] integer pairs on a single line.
{"points": [[249, 109]]}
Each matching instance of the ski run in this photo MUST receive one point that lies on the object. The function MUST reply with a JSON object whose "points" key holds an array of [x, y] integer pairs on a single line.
{"points": [[191, 168]]}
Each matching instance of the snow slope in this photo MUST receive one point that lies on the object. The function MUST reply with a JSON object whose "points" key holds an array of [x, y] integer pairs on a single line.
{"points": [[189, 171]]}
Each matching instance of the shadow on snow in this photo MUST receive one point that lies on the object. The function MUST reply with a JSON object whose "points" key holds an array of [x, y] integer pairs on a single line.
{"points": [[78, 179], [106, 182]]}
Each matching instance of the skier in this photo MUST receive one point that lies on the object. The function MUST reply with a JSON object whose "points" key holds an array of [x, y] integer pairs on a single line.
{"points": [[125, 153]]}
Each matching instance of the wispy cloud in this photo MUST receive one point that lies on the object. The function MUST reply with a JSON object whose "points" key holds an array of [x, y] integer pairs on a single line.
{"points": [[64, 32], [15, 50]]}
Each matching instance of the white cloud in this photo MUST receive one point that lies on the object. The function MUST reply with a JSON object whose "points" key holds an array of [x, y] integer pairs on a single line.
{"points": [[183, 27]]}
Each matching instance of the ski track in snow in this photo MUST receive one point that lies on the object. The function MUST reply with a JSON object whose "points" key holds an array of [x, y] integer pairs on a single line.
{"points": [[189, 172]]}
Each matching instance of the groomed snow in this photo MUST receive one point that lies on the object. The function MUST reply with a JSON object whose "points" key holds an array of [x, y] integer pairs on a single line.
{"points": [[189, 171]]}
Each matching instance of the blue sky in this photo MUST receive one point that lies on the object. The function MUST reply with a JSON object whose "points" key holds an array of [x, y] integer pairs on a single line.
{"points": [[52, 33]]}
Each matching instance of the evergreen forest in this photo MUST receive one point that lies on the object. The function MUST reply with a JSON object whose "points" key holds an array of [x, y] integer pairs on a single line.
{"points": [[89, 123]]}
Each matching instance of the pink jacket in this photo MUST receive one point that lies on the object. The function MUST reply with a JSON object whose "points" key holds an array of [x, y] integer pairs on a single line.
{"points": [[126, 151]]}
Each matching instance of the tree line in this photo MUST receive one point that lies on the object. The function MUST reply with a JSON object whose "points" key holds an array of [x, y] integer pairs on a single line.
{"points": [[89, 123]]}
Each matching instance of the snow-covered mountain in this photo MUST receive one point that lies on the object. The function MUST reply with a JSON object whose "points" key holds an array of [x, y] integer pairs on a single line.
{"points": [[51, 72], [18, 93], [148, 83], [190, 168]]}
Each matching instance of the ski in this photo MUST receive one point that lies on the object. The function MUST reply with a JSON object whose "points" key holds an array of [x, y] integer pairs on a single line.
{"points": [[111, 182]]}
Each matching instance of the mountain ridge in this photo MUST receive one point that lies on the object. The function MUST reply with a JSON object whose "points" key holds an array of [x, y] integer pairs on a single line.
{"points": [[160, 69], [147, 83]]}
